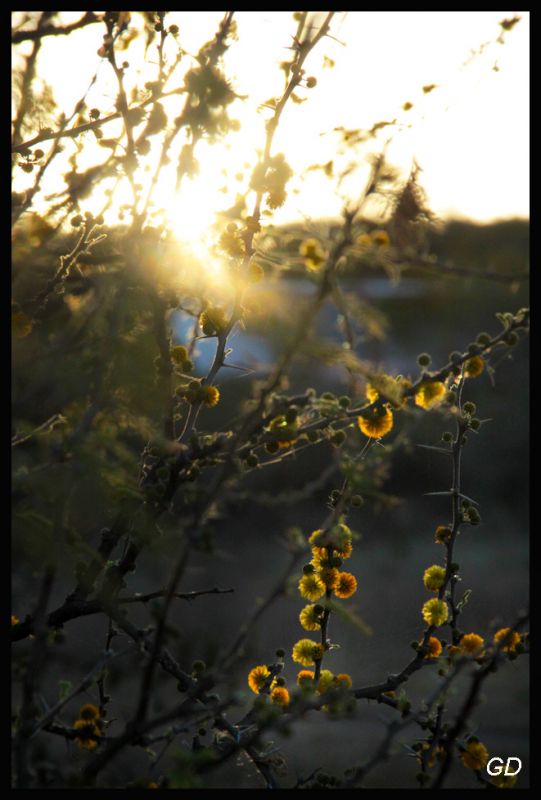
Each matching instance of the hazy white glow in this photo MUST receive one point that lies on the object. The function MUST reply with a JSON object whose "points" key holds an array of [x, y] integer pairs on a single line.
{"points": [[470, 136]]}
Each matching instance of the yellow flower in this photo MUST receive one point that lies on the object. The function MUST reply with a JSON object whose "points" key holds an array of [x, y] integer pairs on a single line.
{"points": [[435, 612], [306, 652], [364, 240], [443, 534], [434, 648], [212, 320], [312, 253], [320, 555], [87, 728], [430, 394], [434, 578], [311, 587], [326, 680], [346, 585], [472, 644], [305, 677], [504, 781], [258, 678], [338, 538], [280, 696], [179, 354], [381, 238], [509, 638], [473, 367], [210, 395], [475, 755], [310, 621], [89, 711], [377, 424], [329, 576], [14, 620], [343, 680]]}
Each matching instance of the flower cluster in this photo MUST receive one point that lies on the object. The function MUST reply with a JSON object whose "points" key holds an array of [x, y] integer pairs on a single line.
{"points": [[88, 726], [322, 578], [263, 680]]}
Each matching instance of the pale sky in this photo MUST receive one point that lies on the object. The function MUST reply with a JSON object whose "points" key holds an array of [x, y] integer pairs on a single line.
{"points": [[470, 135]]}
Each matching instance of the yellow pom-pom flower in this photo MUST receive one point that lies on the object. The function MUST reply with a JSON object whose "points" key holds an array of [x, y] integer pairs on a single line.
{"points": [[210, 395], [280, 696], [343, 680], [377, 424], [434, 648], [508, 639], [258, 678], [504, 781], [305, 678], [338, 538], [346, 585], [309, 619], [475, 755], [443, 534], [472, 644], [326, 680], [89, 711], [329, 576], [320, 555], [14, 620], [474, 367], [179, 354], [381, 238], [312, 253], [434, 577], [306, 652], [311, 587], [87, 729], [435, 612], [430, 394]]}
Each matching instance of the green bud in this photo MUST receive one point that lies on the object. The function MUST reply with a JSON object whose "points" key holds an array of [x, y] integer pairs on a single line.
{"points": [[484, 339], [280, 681], [423, 359], [199, 666], [451, 398], [280, 653], [447, 437], [328, 396], [344, 401], [454, 567], [338, 438], [272, 447], [469, 407], [475, 424], [455, 357], [312, 436], [357, 501], [308, 569], [474, 349], [511, 339]]}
